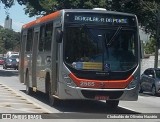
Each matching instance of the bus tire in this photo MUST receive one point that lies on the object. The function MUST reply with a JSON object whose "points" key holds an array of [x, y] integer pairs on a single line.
{"points": [[52, 100], [4, 67], [140, 89], [29, 90], [153, 91], [112, 104]]}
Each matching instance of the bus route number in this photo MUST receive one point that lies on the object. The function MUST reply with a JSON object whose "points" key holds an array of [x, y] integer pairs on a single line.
{"points": [[87, 84]]}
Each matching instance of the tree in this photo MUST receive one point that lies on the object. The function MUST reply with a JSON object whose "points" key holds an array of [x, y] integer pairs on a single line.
{"points": [[149, 47], [9, 40], [144, 9], [7, 3]]}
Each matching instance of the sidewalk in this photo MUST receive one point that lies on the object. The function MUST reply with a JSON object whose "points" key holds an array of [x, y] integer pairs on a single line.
{"points": [[12, 102]]}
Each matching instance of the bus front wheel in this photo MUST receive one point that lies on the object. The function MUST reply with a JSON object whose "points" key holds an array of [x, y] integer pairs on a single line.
{"points": [[52, 100], [113, 104]]}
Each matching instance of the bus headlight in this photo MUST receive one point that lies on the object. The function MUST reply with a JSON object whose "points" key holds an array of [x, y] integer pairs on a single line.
{"points": [[68, 80]]}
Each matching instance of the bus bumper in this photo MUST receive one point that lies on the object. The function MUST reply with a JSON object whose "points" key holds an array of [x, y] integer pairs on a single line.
{"points": [[70, 92]]}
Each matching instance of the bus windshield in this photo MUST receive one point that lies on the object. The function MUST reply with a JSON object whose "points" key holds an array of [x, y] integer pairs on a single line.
{"points": [[106, 49]]}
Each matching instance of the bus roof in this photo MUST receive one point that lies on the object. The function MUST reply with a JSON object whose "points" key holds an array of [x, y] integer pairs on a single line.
{"points": [[98, 11], [58, 13], [42, 19]]}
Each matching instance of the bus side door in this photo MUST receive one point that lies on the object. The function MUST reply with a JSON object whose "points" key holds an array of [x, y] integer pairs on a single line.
{"points": [[34, 55], [55, 59]]}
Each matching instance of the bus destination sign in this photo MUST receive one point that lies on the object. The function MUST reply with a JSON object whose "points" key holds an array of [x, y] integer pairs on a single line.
{"points": [[95, 18], [100, 19]]}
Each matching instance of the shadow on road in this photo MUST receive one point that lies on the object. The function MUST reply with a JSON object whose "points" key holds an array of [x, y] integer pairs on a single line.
{"points": [[148, 94], [8, 73], [83, 106]]}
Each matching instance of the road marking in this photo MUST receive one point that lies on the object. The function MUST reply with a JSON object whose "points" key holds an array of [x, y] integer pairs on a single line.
{"points": [[128, 108]]}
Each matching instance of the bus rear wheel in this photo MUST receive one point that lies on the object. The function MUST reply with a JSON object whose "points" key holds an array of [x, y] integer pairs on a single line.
{"points": [[29, 90], [113, 104]]}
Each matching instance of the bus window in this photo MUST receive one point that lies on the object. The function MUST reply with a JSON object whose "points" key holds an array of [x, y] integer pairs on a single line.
{"points": [[59, 35], [29, 40], [91, 46], [48, 37], [42, 38]]}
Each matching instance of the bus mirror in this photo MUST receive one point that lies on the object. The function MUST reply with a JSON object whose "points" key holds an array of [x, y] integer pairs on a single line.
{"points": [[59, 36]]}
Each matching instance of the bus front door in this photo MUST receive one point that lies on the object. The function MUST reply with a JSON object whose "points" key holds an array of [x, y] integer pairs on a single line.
{"points": [[34, 57]]}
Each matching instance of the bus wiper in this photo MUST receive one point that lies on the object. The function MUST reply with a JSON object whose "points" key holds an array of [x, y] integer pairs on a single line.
{"points": [[114, 35], [89, 33]]}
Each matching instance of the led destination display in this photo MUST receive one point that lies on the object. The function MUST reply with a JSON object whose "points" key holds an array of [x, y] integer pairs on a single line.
{"points": [[96, 18]]}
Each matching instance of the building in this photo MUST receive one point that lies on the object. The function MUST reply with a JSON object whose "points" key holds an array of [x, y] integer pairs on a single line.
{"points": [[8, 23]]}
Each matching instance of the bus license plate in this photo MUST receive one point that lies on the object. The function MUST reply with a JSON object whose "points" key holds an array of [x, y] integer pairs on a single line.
{"points": [[101, 97]]}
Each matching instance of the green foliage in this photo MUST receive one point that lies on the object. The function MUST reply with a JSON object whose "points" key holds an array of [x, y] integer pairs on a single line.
{"points": [[9, 40], [49, 6], [8, 3], [144, 9], [149, 47]]}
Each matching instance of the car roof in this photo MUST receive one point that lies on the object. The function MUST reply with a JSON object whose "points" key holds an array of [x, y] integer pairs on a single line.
{"points": [[153, 69], [11, 58]]}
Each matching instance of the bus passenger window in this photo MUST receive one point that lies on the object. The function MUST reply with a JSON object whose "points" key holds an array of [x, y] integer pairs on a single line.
{"points": [[42, 38], [48, 37], [29, 40]]}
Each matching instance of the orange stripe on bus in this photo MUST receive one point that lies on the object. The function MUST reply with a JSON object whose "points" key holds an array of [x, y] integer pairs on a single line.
{"points": [[42, 19], [85, 83]]}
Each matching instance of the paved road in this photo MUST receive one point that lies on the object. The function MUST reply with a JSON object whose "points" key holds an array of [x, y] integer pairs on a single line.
{"points": [[14, 100]]}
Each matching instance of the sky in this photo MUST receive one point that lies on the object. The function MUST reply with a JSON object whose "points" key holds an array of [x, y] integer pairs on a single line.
{"points": [[17, 14]]}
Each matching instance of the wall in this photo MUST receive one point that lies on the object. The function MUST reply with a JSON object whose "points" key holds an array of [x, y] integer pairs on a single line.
{"points": [[149, 63]]}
